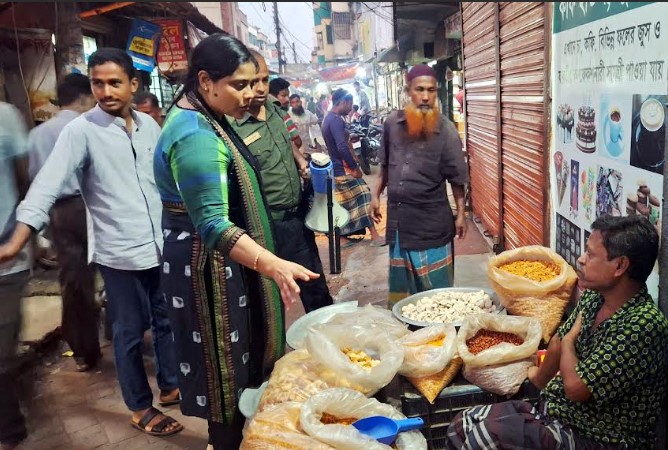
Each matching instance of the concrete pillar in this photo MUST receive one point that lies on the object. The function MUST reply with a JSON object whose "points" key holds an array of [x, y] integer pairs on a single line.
{"points": [[69, 40]]}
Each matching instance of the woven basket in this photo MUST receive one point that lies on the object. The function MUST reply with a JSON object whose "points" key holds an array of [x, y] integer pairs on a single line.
{"points": [[432, 385]]}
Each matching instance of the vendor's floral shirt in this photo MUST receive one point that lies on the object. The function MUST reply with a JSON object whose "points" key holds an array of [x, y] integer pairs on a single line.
{"points": [[623, 363]]}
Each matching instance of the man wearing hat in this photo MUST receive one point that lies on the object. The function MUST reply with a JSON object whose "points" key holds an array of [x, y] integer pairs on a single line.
{"points": [[420, 151]]}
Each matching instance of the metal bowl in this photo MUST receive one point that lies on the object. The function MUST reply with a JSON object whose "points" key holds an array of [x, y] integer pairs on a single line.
{"points": [[396, 310]]}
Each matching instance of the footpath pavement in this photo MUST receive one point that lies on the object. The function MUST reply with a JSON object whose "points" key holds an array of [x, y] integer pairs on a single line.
{"points": [[67, 410]]}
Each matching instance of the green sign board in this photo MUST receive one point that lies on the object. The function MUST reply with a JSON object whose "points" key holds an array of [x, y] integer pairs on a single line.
{"points": [[569, 15]]}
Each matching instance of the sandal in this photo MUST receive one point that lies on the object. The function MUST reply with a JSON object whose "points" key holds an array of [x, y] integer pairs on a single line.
{"points": [[170, 402], [158, 428]]}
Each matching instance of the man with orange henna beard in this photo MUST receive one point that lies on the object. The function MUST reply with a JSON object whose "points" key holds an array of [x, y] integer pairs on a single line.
{"points": [[420, 152]]}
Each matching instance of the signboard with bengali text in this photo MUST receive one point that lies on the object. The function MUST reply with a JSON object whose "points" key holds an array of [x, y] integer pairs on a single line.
{"points": [[172, 56], [609, 97]]}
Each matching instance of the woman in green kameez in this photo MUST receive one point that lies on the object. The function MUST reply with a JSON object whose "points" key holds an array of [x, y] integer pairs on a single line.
{"points": [[224, 286]]}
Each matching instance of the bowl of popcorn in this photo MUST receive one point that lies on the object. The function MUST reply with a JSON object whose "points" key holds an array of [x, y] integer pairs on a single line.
{"points": [[446, 305]]}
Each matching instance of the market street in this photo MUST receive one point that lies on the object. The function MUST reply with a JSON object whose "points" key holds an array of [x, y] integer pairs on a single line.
{"points": [[68, 410]]}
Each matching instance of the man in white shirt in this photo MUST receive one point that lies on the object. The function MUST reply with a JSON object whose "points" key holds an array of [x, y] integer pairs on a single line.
{"points": [[14, 272], [307, 124], [80, 314], [109, 149]]}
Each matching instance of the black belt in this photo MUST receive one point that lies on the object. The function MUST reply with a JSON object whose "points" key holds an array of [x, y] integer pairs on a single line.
{"points": [[285, 214]]}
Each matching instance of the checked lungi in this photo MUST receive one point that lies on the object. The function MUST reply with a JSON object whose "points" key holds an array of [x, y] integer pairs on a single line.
{"points": [[514, 425], [413, 271], [354, 195]]}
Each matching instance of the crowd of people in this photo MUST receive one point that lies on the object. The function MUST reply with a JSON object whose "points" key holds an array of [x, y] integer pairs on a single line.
{"points": [[196, 224]]}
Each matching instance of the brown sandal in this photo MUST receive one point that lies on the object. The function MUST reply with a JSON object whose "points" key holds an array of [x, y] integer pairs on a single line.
{"points": [[158, 428]]}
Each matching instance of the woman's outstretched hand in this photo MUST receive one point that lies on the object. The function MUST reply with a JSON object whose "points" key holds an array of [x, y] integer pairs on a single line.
{"points": [[286, 274]]}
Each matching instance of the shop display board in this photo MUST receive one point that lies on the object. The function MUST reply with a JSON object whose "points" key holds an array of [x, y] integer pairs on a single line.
{"points": [[609, 109]]}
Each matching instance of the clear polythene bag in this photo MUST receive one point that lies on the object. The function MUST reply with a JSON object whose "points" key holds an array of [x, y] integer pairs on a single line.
{"points": [[371, 316], [428, 350], [349, 404], [500, 379], [296, 376], [326, 342], [279, 428], [509, 286], [526, 328]]}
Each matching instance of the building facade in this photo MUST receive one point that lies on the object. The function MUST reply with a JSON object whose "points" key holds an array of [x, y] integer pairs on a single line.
{"points": [[226, 16], [335, 36]]}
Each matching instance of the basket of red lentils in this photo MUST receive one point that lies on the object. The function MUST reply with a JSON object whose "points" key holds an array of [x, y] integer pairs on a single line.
{"points": [[533, 281]]}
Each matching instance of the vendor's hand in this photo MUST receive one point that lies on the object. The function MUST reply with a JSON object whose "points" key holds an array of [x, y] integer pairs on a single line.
{"points": [[284, 273], [375, 210], [8, 252], [572, 335], [461, 225], [532, 375]]}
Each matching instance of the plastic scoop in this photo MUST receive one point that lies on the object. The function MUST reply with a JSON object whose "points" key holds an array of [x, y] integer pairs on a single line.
{"points": [[385, 430]]}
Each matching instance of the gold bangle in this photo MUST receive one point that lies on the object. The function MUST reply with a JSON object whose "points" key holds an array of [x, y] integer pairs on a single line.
{"points": [[257, 258]]}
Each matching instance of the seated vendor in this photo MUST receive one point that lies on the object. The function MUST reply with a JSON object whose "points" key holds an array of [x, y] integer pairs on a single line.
{"points": [[603, 379]]}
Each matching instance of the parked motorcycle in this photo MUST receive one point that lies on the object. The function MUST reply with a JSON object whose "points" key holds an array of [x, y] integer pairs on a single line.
{"points": [[357, 139]]}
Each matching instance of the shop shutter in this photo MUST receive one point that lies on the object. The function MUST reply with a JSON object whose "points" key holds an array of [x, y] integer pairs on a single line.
{"points": [[524, 82], [481, 107]]}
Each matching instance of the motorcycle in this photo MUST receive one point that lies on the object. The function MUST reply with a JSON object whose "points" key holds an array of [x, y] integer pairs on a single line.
{"points": [[361, 149]]}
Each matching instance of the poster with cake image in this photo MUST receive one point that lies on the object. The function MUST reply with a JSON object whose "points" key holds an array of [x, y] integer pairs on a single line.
{"points": [[565, 123], [643, 194], [610, 83], [586, 129], [614, 124], [648, 132]]}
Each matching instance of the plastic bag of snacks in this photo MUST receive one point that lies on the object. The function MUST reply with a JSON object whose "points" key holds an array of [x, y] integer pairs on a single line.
{"points": [[279, 427], [372, 317], [498, 350], [296, 376], [488, 339], [533, 281], [358, 357], [432, 385], [548, 310], [501, 379], [428, 350], [327, 416]]}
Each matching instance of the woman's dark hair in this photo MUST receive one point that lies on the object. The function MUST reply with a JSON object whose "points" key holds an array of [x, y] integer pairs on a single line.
{"points": [[219, 55], [631, 236], [114, 55]]}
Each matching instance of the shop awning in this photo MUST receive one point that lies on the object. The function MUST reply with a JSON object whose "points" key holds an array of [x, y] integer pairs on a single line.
{"points": [[339, 73], [389, 55]]}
